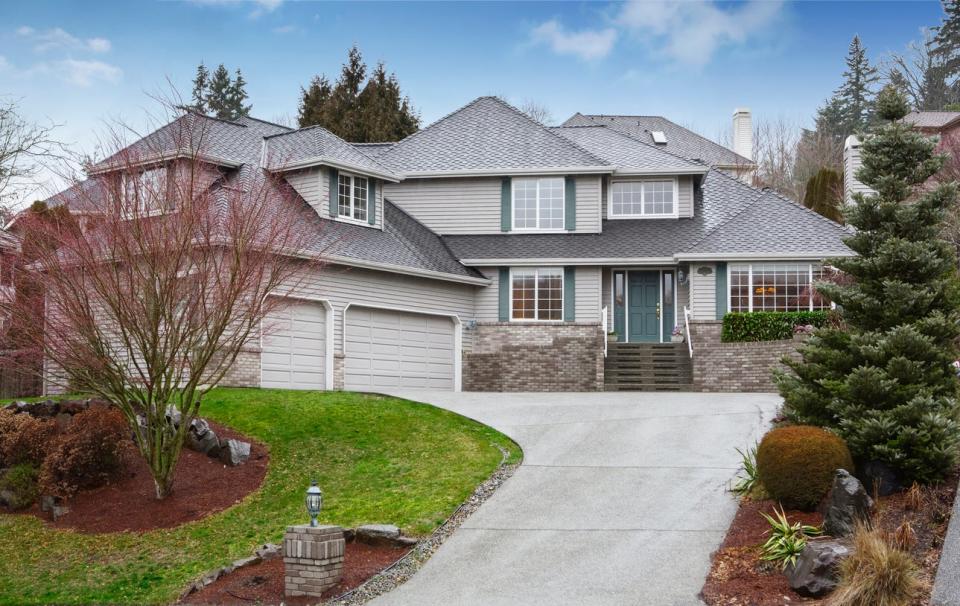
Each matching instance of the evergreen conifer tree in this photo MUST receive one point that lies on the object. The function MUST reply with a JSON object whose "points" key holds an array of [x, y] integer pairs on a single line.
{"points": [[236, 98], [849, 110], [886, 383], [201, 83], [313, 102], [218, 92], [823, 194], [947, 39]]}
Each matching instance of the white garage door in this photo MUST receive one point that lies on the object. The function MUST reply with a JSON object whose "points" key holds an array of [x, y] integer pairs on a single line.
{"points": [[294, 348], [397, 349]]}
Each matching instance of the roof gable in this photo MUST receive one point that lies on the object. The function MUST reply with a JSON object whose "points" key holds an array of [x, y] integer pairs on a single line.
{"points": [[316, 145], [626, 153], [487, 136]]}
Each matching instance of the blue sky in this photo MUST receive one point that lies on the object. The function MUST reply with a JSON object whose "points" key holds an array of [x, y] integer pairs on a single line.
{"points": [[78, 63]]}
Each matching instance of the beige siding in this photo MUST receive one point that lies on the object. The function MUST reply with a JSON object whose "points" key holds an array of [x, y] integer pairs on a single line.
{"points": [[683, 297], [703, 291], [345, 285], [472, 205], [587, 294], [684, 195], [313, 185], [488, 297], [606, 294]]}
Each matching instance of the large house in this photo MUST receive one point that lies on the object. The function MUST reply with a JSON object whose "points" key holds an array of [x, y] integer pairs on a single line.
{"points": [[490, 252]]}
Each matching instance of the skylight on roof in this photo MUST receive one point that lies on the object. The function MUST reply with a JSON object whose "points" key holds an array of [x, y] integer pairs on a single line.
{"points": [[659, 137]]}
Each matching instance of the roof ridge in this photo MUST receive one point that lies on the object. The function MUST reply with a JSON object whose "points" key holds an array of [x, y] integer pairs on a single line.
{"points": [[297, 130], [413, 135], [655, 146], [189, 111], [255, 119], [710, 232]]}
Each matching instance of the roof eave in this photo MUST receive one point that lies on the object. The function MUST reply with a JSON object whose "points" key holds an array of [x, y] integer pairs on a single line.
{"points": [[334, 163], [161, 157], [780, 256], [499, 172], [695, 170]]}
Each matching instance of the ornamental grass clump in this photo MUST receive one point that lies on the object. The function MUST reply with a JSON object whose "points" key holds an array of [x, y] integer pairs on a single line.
{"points": [[796, 464], [876, 573]]}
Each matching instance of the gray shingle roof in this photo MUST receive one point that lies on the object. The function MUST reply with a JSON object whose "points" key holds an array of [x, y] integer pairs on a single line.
{"points": [[680, 140], [930, 119], [297, 147], [9, 241], [625, 152], [731, 218], [487, 134], [374, 150]]}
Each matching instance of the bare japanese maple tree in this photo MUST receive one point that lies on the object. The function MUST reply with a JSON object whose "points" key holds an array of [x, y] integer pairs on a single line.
{"points": [[169, 271]]}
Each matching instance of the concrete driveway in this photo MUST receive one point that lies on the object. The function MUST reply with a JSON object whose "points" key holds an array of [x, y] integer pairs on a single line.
{"points": [[621, 499]]}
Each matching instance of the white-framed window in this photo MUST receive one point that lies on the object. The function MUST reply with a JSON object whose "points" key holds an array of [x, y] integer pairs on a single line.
{"points": [[146, 192], [352, 197], [775, 287], [538, 203], [643, 198], [536, 294]]}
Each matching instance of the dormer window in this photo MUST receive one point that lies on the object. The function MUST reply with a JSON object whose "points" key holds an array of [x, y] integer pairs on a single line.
{"points": [[352, 197], [643, 199], [145, 192]]}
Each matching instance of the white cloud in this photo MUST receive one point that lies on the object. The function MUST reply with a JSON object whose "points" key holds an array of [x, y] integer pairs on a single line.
{"points": [[261, 7], [59, 39], [85, 73], [585, 44], [692, 32]]}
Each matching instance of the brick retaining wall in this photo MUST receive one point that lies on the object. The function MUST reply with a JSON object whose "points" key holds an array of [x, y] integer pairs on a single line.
{"points": [[535, 357], [744, 366]]}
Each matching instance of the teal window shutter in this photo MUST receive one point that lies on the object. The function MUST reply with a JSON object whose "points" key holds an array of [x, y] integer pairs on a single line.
{"points": [[372, 201], [721, 290], [504, 292], [570, 203], [569, 294], [506, 205], [334, 191]]}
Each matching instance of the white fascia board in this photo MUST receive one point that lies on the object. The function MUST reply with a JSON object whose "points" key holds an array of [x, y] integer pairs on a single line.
{"points": [[335, 163], [629, 172], [568, 261], [512, 172], [400, 269], [158, 158], [758, 256]]}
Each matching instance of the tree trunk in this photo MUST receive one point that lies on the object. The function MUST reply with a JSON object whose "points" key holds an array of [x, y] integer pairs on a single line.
{"points": [[163, 487]]}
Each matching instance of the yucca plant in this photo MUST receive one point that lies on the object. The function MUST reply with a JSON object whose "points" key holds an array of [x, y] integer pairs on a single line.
{"points": [[786, 540], [748, 479]]}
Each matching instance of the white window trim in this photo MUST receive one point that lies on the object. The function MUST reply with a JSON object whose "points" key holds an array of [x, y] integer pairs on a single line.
{"points": [[676, 200], [750, 265], [350, 218], [127, 176], [538, 229], [536, 296]]}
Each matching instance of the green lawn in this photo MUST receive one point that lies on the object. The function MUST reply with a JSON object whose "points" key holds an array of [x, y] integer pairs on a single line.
{"points": [[377, 459]]}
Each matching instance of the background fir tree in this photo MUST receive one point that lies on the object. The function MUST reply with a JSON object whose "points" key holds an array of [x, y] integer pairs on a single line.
{"points": [[886, 383], [236, 98], [218, 91], [824, 194], [850, 108], [358, 109], [219, 96], [201, 84], [946, 42]]}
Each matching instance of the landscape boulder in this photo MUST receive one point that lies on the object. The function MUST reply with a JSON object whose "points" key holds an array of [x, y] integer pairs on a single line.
{"points": [[377, 534], [847, 503], [173, 416], [203, 439], [234, 452], [817, 569], [880, 475]]}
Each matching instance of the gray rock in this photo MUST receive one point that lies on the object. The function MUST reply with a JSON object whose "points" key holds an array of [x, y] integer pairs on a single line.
{"points": [[173, 416], [405, 541], [199, 427], [269, 551], [848, 502], [208, 444], [246, 562], [59, 511], [816, 572], [881, 475], [234, 452], [377, 534]]}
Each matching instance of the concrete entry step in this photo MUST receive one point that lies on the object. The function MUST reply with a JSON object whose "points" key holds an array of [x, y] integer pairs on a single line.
{"points": [[648, 367]]}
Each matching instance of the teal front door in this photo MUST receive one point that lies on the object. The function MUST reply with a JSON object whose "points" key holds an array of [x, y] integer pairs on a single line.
{"points": [[643, 296]]}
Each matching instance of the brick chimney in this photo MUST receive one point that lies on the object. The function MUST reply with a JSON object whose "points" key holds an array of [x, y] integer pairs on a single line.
{"points": [[743, 132]]}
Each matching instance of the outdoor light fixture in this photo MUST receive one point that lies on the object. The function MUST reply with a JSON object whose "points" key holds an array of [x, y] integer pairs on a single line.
{"points": [[314, 503]]}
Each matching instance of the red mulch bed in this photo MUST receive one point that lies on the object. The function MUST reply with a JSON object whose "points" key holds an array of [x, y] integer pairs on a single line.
{"points": [[202, 486], [263, 583], [738, 577]]}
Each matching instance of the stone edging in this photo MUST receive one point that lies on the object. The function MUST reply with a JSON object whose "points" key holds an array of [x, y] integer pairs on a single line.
{"points": [[267, 551], [400, 571], [946, 585]]}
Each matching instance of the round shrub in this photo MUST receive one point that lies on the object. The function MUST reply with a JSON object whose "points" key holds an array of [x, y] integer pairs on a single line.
{"points": [[89, 454], [20, 484], [25, 439], [796, 464]]}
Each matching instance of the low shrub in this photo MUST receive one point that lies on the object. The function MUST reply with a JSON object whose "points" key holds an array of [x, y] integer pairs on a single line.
{"points": [[786, 540], [20, 482], [25, 439], [89, 454], [768, 325], [876, 573], [796, 464]]}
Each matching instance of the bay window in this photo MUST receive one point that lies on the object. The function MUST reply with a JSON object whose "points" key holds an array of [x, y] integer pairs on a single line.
{"points": [[538, 203], [352, 197], [648, 198], [775, 287], [536, 294]]}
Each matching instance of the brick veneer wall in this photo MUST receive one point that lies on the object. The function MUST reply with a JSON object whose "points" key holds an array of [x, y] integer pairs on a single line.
{"points": [[338, 362], [535, 357], [735, 366], [245, 371]]}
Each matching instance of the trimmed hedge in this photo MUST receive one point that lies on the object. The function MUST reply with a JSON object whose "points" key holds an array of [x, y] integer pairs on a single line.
{"points": [[768, 325], [796, 464]]}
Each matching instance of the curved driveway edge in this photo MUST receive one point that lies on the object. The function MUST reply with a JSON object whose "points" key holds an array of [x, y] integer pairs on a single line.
{"points": [[621, 499], [946, 585]]}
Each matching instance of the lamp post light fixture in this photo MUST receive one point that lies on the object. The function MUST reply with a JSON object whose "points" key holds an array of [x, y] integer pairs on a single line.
{"points": [[314, 503]]}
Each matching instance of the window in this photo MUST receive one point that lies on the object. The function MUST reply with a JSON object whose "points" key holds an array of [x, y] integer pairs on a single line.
{"points": [[642, 198], [538, 203], [537, 294], [145, 192], [352, 197], [775, 287]]}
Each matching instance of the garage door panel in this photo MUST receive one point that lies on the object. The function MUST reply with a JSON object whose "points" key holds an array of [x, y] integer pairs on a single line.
{"points": [[392, 349], [294, 350]]}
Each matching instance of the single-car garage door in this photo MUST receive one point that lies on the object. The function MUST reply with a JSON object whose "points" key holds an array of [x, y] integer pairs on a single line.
{"points": [[293, 353], [386, 348]]}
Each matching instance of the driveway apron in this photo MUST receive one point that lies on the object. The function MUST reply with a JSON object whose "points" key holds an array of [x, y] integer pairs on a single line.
{"points": [[621, 499]]}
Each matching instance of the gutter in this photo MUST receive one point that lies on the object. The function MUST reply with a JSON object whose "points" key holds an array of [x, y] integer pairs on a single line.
{"points": [[401, 269], [500, 172], [332, 162], [161, 157]]}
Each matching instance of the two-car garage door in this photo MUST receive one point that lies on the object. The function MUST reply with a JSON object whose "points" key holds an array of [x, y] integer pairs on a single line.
{"points": [[390, 349], [383, 349]]}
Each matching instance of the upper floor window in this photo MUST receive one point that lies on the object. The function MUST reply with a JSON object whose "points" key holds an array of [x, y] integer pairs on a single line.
{"points": [[538, 203], [536, 294], [653, 198], [775, 287], [352, 197], [146, 192]]}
